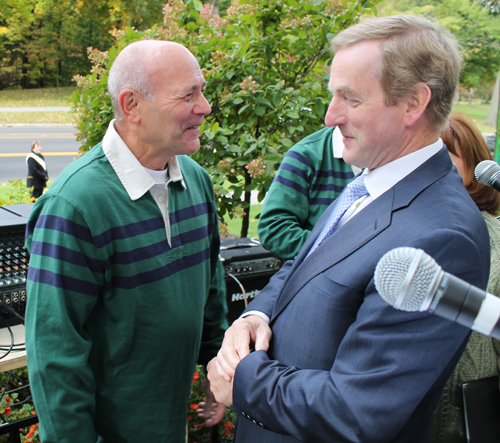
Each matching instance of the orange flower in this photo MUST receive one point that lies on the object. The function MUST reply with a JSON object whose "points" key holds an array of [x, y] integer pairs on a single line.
{"points": [[228, 425], [194, 406], [31, 433], [196, 376]]}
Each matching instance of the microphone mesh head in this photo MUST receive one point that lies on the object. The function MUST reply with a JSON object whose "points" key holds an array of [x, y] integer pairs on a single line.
{"points": [[486, 172], [404, 278]]}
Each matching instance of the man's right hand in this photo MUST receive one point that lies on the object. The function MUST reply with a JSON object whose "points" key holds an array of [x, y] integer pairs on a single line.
{"points": [[243, 335]]}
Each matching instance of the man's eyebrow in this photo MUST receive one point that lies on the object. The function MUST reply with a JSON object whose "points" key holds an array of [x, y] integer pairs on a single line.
{"points": [[196, 86], [345, 90]]}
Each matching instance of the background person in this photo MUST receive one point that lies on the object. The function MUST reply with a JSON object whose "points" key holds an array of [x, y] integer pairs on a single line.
{"points": [[38, 175], [481, 357], [311, 175], [125, 287], [337, 363]]}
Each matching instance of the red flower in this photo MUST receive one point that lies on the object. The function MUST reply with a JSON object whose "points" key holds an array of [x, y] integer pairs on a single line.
{"points": [[7, 400], [195, 426], [189, 417], [228, 425], [226, 432], [7, 411], [196, 376], [194, 406]]}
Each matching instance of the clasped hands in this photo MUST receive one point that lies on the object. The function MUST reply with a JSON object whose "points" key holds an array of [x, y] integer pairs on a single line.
{"points": [[243, 335]]}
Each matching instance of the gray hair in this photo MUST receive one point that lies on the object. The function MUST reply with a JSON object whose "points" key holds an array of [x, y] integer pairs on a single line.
{"points": [[414, 50], [129, 72]]}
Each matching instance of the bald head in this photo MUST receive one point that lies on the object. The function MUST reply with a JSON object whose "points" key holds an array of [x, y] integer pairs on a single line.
{"points": [[140, 64]]}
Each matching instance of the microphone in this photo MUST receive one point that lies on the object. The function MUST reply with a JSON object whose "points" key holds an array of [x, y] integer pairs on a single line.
{"points": [[488, 173], [410, 280]]}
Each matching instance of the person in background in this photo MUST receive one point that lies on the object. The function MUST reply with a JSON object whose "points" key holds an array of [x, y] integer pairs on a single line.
{"points": [[481, 357], [319, 356], [37, 170], [310, 177], [125, 287]]}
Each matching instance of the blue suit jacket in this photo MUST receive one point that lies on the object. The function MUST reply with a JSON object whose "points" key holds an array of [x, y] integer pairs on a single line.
{"points": [[343, 364]]}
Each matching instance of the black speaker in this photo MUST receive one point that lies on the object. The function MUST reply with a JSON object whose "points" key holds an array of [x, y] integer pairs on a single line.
{"points": [[13, 262], [248, 266]]}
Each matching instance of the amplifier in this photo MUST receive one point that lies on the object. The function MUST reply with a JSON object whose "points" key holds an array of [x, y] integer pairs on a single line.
{"points": [[13, 261], [248, 266]]}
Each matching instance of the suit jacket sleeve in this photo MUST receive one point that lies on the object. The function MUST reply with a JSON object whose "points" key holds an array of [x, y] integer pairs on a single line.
{"points": [[370, 391]]}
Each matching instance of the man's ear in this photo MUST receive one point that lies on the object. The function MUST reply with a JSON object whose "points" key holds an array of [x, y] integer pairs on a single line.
{"points": [[128, 100], [417, 103]]}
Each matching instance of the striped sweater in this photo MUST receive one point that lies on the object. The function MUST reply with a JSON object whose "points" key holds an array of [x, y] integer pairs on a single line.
{"points": [[116, 319], [307, 181]]}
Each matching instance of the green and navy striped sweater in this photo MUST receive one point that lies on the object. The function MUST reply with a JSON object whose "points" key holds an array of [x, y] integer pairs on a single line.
{"points": [[116, 319], [306, 183]]}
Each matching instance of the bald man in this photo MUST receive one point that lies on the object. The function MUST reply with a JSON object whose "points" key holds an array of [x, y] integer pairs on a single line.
{"points": [[125, 288]]}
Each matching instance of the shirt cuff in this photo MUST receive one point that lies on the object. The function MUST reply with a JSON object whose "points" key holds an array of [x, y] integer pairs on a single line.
{"points": [[260, 314]]}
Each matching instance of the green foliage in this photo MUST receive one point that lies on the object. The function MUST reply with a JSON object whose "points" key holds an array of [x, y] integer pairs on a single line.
{"points": [[15, 193], [16, 403], [476, 26], [266, 68], [44, 42]]}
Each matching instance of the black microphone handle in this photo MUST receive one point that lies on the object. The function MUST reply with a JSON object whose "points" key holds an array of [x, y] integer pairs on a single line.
{"points": [[457, 300], [460, 302], [496, 183]]}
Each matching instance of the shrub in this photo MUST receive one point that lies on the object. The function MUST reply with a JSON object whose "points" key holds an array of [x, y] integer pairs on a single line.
{"points": [[265, 64]]}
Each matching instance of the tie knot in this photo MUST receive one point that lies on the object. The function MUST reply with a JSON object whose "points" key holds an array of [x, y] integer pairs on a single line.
{"points": [[357, 187]]}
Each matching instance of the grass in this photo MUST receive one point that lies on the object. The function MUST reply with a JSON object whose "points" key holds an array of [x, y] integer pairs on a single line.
{"points": [[37, 117], [478, 113], [12, 98]]}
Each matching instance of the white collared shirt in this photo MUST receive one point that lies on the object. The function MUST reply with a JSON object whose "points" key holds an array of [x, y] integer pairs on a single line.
{"points": [[136, 179]]}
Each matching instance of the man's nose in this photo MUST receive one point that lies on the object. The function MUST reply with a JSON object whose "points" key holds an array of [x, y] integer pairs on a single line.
{"points": [[334, 115], [203, 107]]}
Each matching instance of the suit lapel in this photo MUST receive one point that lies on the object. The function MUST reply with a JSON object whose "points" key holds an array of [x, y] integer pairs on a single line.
{"points": [[360, 229]]}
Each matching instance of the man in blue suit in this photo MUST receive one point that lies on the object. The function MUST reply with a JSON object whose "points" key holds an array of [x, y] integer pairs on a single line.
{"points": [[331, 361]]}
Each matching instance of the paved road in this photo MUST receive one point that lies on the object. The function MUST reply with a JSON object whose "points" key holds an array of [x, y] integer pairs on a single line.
{"points": [[59, 147]]}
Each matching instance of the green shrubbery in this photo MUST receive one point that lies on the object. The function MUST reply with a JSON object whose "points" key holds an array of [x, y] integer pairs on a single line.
{"points": [[266, 67]]}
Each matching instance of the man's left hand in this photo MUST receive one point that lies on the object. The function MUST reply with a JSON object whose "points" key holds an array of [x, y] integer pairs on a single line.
{"points": [[210, 411]]}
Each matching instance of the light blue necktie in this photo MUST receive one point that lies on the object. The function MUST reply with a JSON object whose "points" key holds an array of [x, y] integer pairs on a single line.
{"points": [[353, 191]]}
